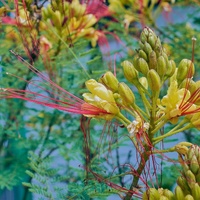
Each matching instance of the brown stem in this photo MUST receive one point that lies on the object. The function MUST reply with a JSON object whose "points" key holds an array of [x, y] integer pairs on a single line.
{"points": [[134, 184]]}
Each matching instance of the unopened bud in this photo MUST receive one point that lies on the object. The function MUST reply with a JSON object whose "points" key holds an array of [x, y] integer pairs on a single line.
{"points": [[185, 70], [179, 193], [141, 45], [142, 66], [126, 94], [130, 72], [57, 19], [152, 40], [110, 81], [143, 55], [163, 198], [194, 165], [161, 68], [169, 194], [147, 48], [171, 67], [189, 197], [151, 194], [143, 81], [143, 37], [190, 84], [153, 60], [190, 178], [153, 81]]}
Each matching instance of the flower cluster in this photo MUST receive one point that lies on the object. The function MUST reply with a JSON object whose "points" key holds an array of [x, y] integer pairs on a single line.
{"points": [[126, 10], [53, 24]]}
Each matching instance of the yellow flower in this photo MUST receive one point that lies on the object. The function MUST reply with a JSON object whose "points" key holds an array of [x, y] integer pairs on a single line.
{"points": [[174, 103], [195, 120], [101, 97]]}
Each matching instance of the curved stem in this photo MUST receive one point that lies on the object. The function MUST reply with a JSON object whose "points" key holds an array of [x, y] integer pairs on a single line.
{"points": [[140, 111], [123, 119], [144, 159], [159, 126], [172, 132]]}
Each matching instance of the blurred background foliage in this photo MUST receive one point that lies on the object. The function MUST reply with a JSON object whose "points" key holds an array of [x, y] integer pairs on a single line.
{"points": [[42, 150]]}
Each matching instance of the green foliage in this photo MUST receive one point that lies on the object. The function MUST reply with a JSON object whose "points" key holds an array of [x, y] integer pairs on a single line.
{"points": [[43, 150]]}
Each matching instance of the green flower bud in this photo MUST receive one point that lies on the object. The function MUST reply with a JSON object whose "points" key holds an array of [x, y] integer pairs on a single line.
{"points": [[151, 194], [179, 193], [152, 40], [163, 198], [110, 81], [130, 72], [57, 19], [143, 81], [153, 81], [152, 60], [158, 47], [169, 194], [162, 67], [188, 197], [185, 70], [190, 178], [142, 66], [185, 167], [143, 37], [135, 62], [171, 67], [196, 191], [147, 48], [143, 55], [191, 152], [141, 45], [194, 165], [182, 182], [126, 94], [191, 86]]}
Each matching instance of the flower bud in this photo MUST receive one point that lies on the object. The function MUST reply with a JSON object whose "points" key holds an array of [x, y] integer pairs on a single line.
{"points": [[182, 183], [152, 60], [153, 81], [141, 45], [147, 48], [151, 194], [190, 84], [194, 165], [179, 193], [57, 19], [152, 40], [185, 70], [172, 65], [126, 94], [169, 194], [189, 197], [143, 55], [143, 81], [163, 198], [190, 178], [161, 68], [196, 191], [110, 81], [143, 37], [130, 72], [99, 90], [142, 66]]}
